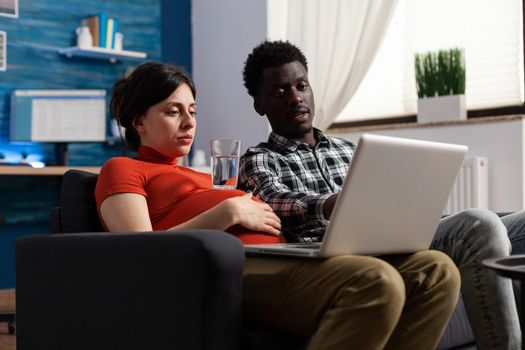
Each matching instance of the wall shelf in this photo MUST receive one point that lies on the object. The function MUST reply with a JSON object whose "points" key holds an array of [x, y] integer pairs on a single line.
{"points": [[101, 53]]}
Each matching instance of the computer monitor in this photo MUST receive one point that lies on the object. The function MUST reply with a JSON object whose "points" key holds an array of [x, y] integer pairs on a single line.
{"points": [[58, 116]]}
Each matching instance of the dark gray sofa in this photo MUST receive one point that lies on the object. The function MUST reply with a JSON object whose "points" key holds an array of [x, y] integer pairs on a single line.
{"points": [[91, 290]]}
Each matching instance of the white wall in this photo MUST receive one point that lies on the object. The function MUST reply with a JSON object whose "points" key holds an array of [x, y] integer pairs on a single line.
{"points": [[224, 33], [502, 142]]}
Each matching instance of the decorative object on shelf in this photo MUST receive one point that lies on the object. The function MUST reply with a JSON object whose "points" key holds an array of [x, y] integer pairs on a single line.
{"points": [[440, 80], [98, 37], [119, 37], [84, 38]]}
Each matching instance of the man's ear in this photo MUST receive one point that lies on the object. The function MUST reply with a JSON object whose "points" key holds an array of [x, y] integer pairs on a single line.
{"points": [[138, 124], [258, 106]]}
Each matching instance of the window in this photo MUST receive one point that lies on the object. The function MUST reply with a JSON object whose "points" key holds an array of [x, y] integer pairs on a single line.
{"points": [[491, 32]]}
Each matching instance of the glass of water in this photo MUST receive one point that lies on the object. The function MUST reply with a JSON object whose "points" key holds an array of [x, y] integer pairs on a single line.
{"points": [[225, 163]]}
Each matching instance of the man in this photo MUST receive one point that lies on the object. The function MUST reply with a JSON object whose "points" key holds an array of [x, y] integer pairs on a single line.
{"points": [[299, 173]]}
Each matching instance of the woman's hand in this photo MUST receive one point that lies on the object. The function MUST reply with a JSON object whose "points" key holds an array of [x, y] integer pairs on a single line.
{"points": [[253, 215]]}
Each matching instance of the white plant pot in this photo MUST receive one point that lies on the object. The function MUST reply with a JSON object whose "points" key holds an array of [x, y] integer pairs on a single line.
{"points": [[441, 108]]}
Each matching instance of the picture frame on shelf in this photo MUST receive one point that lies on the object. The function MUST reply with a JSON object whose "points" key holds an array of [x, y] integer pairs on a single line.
{"points": [[3, 51], [9, 8]]}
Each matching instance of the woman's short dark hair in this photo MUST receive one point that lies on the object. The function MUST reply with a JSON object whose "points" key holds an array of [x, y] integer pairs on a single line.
{"points": [[149, 84], [265, 55]]}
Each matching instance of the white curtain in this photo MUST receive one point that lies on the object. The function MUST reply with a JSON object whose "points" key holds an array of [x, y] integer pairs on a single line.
{"points": [[339, 38], [490, 32]]}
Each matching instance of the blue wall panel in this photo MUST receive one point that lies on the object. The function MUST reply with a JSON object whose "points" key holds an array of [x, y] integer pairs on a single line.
{"points": [[176, 32], [43, 27], [33, 39]]}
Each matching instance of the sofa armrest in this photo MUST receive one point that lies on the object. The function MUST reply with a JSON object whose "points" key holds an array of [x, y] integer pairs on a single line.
{"points": [[56, 220], [129, 290]]}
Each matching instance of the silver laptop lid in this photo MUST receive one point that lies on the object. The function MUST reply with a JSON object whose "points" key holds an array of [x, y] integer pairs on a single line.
{"points": [[393, 196]]}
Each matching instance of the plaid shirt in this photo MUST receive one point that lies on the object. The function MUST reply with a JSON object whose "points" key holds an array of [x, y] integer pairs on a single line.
{"points": [[296, 180]]}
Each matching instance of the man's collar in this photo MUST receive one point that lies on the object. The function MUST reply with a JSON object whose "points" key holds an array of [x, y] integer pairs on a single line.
{"points": [[286, 144]]}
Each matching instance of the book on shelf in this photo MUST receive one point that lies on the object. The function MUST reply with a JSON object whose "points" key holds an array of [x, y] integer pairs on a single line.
{"points": [[103, 26], [103, 29], [112, 28], [92, 22]]}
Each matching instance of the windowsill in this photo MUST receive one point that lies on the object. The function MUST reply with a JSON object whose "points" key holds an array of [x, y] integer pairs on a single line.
{"points": [[423, 125]]}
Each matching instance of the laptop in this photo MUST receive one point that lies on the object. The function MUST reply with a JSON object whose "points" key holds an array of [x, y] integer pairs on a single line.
{"points": [[391, 201]]}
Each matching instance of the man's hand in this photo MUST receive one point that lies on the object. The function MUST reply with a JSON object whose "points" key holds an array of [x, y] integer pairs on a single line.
{"points": [[329, 206]]}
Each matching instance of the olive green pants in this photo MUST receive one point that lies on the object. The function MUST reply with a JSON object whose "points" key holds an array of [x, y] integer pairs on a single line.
{"points": [[354, 302]]}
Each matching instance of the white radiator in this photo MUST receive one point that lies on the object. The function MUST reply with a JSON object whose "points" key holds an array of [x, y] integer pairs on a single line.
{"points": [[471, 187]]}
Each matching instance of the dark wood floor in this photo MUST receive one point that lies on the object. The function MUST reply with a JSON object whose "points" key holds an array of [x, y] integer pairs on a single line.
{"points": [[7, 302]]}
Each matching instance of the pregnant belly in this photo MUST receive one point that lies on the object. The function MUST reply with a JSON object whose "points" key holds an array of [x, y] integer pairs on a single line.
{"points": [[197, 203]]}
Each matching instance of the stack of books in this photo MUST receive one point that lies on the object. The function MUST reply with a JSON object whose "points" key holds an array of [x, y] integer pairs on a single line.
{"points": [[103, 29]]}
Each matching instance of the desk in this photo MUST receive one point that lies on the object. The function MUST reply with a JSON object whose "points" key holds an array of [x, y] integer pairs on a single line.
{"points": [[512, 267], [60, 170], [28, 193], [45, 171]]}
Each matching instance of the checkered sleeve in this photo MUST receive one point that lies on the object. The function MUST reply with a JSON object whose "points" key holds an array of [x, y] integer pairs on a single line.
{"points": [[301, 213]]}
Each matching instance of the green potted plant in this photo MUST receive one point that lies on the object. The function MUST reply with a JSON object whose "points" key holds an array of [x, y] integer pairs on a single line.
{"points": [[440, 79]]}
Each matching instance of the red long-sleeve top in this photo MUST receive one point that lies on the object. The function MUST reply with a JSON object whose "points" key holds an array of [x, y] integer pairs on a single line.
{"points": [[174, 194]]}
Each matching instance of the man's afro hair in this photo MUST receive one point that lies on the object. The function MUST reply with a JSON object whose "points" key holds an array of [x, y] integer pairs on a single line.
{"points": [[265, 55]]}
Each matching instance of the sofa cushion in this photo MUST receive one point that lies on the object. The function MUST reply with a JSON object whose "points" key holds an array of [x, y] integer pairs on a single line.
{"points": [[77, 201], [458, 331]]}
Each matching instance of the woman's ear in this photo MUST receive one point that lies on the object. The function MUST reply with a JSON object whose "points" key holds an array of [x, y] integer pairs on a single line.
{"points": [[138, 124], [258, 106]]}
